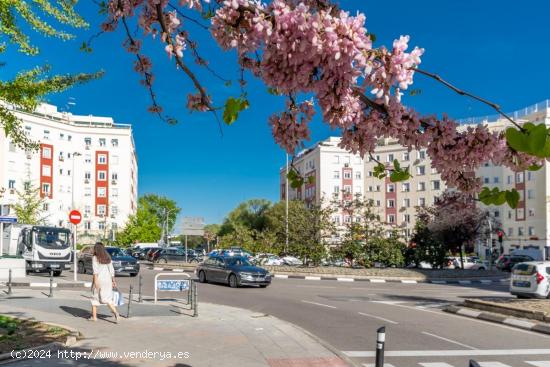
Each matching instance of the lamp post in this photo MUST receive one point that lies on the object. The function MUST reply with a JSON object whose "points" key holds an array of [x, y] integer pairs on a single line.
{"points": [[75, 154], [286, 205], [167, 212]]}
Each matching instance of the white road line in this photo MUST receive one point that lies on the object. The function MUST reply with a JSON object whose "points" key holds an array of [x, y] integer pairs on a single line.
{"points": [[312, 278], [409, 281], [389, 302], [539, 363], [156, 268], [44, 285], [318, 304], [449, 353], [519, 323], [377, 280], [435, 364], [282, 276], [492, 364], [87, 284], [448, 340], [378, 317], [177, 270], [345, 279]]}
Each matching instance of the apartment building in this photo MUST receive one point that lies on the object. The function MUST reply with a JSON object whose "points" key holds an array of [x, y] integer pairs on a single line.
{"points": [[86, 163], [527, 227]]}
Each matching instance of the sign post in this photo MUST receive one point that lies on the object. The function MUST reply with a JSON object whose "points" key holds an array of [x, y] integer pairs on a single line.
{"points": [[192, 226], [172, 285], [75, 218]]}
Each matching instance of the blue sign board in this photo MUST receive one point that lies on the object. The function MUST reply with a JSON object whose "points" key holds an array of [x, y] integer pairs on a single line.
{"points": [[173, 285], [8, 220]]}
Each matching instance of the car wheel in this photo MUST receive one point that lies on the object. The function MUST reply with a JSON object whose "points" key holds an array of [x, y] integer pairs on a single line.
{"points": [[162, 261], [81, 268], [233, 281], [202, 277], [521, 296], [133, 274], [57, 273], [263, 285]]}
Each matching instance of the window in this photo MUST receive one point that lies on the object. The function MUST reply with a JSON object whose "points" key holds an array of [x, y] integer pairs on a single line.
{"points": [[530, 194], [11, 184], [531, 212], [336, 219], [421, 186], [510, 231], [390, 203], [509, 214], [46, 170], [68, 172], [520, 214], [87, 191], [114, 159], [87, 210], [378, 157], [485, 180], [60, 188], [347, 219], [101, 225], [46, 135], [520, 231], [370, 173], [87, 225], [406, 187], [377, 188], [436, 185], [12, 147], [61, 136], [407, 203], [421, 170], [530, 175], [357, 189], [114, 210], [421, 154], [102, 142], [509, 180], [46, 153], [347, 189], [88, 141], [434, 171], [101, 209], [45, 206], [114, 176], [358, 175], [88, 158], [87, 176], [389, 158], [114, 142], [377, 202], [390, 188], [335, 159], [495, 180], [531, 231], [101, 159], [347, 175], [101, 192], [101, 175], [496, 213], [46, 189], [369, 189], [421, 201], [391, 218], [69, 138], [519, 177], [406, 156], [406, 218], [336, 174]]}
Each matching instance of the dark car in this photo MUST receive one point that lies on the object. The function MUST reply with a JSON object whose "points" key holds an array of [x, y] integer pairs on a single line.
{"points": [[140, 253], [122, 263], [507, 262], [234, 270], [176, 254]]}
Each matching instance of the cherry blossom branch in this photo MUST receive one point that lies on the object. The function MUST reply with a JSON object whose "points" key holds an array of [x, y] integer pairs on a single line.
{"points": [[202, 62], [180, 13], [493, 105]]}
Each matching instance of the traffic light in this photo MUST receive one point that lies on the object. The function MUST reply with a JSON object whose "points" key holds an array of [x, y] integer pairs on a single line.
{"points": [[500, 235]]}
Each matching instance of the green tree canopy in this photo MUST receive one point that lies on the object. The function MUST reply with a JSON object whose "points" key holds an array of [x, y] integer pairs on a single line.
{"points": [[251, 214], [162, 208], [29, 208], [141, 227]]}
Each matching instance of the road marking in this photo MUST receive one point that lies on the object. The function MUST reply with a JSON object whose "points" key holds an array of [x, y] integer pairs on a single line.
{"points": [[45, 285], [282, 276], [448, 340], [319, 304], [177, 270], [436, 364], [389, 302], [434, 305], [467, 312], [345, 279], [156, 268], [539, 363], [448, 353], [378, 317], [519, 323], [315, 286], [492, 364], [312, 278], [409, 281], [377, 280], [87, 284]]}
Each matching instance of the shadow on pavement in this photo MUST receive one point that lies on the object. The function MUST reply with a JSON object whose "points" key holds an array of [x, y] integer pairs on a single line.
{"points": [[82, 313]]}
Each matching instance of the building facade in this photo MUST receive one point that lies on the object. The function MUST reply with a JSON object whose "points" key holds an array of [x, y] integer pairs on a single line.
{"points": [[526, 227], [86, 163]]}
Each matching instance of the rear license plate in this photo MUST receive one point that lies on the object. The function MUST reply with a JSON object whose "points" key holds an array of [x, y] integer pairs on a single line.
{"points": [[520, 283], [55, 266], [129, 267]]}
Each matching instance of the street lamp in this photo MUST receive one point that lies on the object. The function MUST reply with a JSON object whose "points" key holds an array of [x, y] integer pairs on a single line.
{"points": [[75, 154], [167, 212], [286, 205]]}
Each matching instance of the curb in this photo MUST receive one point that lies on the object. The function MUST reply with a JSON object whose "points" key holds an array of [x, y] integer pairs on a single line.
{"points": [[83, 285], [71, 340], [524, 324], [365, 279]]}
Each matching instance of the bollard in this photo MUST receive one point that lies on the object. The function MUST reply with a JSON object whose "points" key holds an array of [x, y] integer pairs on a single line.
{"points": [[140, 299], [9, 282], [129, 302], [195, 307], [51, 284], [380, 341], [189, 291]]}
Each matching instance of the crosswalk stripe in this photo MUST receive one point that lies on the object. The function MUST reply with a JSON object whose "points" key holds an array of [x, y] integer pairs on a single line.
{"points": [[449, 353], [436, 364], [539, 363], [492, 364]]}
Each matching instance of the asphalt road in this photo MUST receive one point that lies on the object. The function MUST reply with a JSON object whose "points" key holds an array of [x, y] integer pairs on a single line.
{"points": [[347, 314]]}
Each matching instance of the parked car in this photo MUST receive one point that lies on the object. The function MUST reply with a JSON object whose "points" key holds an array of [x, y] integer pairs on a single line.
{"points": [[292, 261], [480, 265], [508, 263], [122, 263], [531, 280], [232, 270], [176, 254], [269, 259], [140, 253], [468, 262]]}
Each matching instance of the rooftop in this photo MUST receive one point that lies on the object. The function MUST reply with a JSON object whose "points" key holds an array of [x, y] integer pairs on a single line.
{"points": [[516, 115]]}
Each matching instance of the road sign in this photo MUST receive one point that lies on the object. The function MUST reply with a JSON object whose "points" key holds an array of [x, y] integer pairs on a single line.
{"points": [[193, 226], [8, 220], [75, 217], [178, 285]]}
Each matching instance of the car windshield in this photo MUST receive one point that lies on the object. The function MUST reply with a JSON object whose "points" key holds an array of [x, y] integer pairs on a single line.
{"points": [[52, 238], [237, 261], [115, 251]]}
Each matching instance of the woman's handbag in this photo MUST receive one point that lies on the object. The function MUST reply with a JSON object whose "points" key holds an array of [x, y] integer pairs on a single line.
{"points": [[118, 298]]}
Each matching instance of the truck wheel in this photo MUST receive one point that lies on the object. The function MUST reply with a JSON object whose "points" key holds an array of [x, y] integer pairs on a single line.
{"points": [[57, 273]]}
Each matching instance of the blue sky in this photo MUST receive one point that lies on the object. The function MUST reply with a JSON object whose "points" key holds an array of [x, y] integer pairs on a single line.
{"points": [[494, 48]]}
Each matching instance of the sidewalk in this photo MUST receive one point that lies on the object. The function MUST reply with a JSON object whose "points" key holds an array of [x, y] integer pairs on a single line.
{"points": [[220, 336]]}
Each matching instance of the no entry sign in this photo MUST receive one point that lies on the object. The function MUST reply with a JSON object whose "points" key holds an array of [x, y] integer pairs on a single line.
{"points": [[75, 217]]}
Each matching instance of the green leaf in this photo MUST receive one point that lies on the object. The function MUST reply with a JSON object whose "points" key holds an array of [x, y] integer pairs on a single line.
{"points": [[517, 140], [534, 167], [537, 138], [512, 198], [500, 198], [529, 126], [273, 91], [397, 176], [311, 180], [233, 106], [396, 165]]}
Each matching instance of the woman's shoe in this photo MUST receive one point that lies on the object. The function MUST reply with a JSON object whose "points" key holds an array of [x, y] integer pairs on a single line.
{"points": [[92, 319], [117, 317]]}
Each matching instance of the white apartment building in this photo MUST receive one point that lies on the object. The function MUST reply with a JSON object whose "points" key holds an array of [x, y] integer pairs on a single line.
{"points": [[86, 163], [527, 227]]}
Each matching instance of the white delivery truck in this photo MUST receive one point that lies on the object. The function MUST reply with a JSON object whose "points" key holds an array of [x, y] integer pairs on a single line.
{"points": [[43, 248]]}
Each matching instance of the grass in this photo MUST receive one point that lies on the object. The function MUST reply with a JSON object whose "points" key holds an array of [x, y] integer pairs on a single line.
{"points": [[21, 334]]}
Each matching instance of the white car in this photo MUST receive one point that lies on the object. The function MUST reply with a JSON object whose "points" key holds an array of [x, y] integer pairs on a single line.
{"points": [[271, 260], [292, 261], [531, 280]]}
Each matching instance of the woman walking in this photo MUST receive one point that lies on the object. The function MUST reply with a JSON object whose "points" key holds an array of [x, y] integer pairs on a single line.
{"points": [[103, 282]]}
